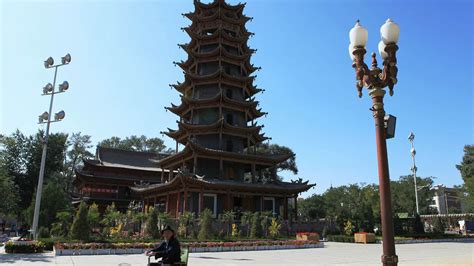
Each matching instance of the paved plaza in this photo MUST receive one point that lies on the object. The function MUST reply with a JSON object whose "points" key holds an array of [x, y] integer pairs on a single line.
{"points": [[332, 254]]}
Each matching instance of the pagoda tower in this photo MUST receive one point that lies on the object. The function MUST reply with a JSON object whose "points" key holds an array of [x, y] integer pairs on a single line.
{"points": [[218, 110]]}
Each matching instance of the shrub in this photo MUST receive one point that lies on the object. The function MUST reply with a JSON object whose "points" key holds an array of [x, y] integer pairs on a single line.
{"points": [[418, 226], [43, 232], [205, 222], [348, 228], [256, 227], [93, 215], [438, 225], [274, 228], [152, 224], [325, 232], [37, 247], [80, 227], [63, 224], [246, 220]]}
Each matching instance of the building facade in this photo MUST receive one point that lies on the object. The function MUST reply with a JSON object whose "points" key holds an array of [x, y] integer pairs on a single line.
{"points": [[446, 200]]}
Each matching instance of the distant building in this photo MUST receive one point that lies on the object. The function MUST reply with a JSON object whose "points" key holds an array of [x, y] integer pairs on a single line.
{"points": [[447, 200]]}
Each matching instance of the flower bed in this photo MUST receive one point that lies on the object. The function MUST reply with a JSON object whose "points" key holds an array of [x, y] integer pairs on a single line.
{"points": [[24, 247], [137, 248]]}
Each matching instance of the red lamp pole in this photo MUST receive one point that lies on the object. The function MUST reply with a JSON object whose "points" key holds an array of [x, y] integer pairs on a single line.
{"points": [[375, 80]]}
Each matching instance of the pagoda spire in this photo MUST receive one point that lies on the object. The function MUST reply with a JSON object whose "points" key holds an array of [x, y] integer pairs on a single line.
{"points": [[218, 112]]}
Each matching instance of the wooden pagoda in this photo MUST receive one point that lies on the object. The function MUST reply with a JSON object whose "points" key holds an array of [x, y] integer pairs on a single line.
{"points": [[219, 167]]}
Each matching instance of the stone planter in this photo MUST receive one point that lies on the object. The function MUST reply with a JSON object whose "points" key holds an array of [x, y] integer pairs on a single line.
{"points": [[364, 238]]}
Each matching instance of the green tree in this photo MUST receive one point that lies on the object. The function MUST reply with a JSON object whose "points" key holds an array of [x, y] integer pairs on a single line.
{"points": [[136, 143], [53, 200], [80, 229], [93, 215], [256, 227], [111, 218], [205, 223], [466, 167], [227, 218], [9, 191], [275, 149], [63, 224], [186, 223], [313, 207], [403, 194], [20, 157], [246, 220], [152, 224]]}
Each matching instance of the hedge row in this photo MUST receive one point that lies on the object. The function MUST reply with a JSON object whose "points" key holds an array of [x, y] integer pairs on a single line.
{"points": [[37, 247]]}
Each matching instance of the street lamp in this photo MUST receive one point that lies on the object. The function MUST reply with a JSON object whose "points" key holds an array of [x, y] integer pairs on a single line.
{"points": [[45, 118], [411, 138], [375, 80]]}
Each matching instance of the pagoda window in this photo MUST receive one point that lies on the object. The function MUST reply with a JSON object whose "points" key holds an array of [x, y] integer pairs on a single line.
{"points": [[229, 145], [206, 91], [208, 13], [207, 68], [231, 33], [207, 116], [210, 202], [208, 47], [229, 118], [228, 93], [208, 32], [230, 15], [231, 69], [231, 49]]}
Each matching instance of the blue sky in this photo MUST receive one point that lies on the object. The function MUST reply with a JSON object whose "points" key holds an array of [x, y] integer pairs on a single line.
{"points": [[122, 54]]}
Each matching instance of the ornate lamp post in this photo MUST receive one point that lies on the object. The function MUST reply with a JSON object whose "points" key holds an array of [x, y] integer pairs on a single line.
{"points": [[375, 80], [411, 138], [45, 118]]}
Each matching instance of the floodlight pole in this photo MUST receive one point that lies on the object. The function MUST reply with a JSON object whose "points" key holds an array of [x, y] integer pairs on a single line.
{"points": [[39, 189], [414, 168]]}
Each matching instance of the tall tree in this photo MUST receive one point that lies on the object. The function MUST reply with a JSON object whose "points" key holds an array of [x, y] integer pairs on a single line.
{"points": [[53, 200], [466, 167], [136, 143], [272, 149], [20, 157], [9, 191], [403, 194]]}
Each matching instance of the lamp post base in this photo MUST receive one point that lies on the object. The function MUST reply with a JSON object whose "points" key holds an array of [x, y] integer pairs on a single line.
{"points": [[388, 260]]}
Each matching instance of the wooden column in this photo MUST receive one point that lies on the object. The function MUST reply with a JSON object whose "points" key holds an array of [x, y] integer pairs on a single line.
{"points": [[201, 201], [296, 207], [221, 167], [167, 202], [178, 202], [195, 164], [285, 207], [162, 175], [185, 203], [261, 203], [253, 173]]}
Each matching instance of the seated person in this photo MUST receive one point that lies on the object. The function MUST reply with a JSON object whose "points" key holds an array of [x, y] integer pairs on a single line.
{"points": [[169, 250]]}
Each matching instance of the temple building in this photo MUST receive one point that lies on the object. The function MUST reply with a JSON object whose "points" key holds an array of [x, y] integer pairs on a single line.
{"points": [[220, 167]]}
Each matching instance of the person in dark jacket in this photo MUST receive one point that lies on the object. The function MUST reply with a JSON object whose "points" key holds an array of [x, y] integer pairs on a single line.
{"points": [[169, 250]]}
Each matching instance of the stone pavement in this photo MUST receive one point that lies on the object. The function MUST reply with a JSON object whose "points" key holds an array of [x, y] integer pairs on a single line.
{"points": [[332, 254]]}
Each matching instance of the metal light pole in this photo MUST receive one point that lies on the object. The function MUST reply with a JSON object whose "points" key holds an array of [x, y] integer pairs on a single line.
{"points": [[411, 138], [375, 80], [45, 118]]}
